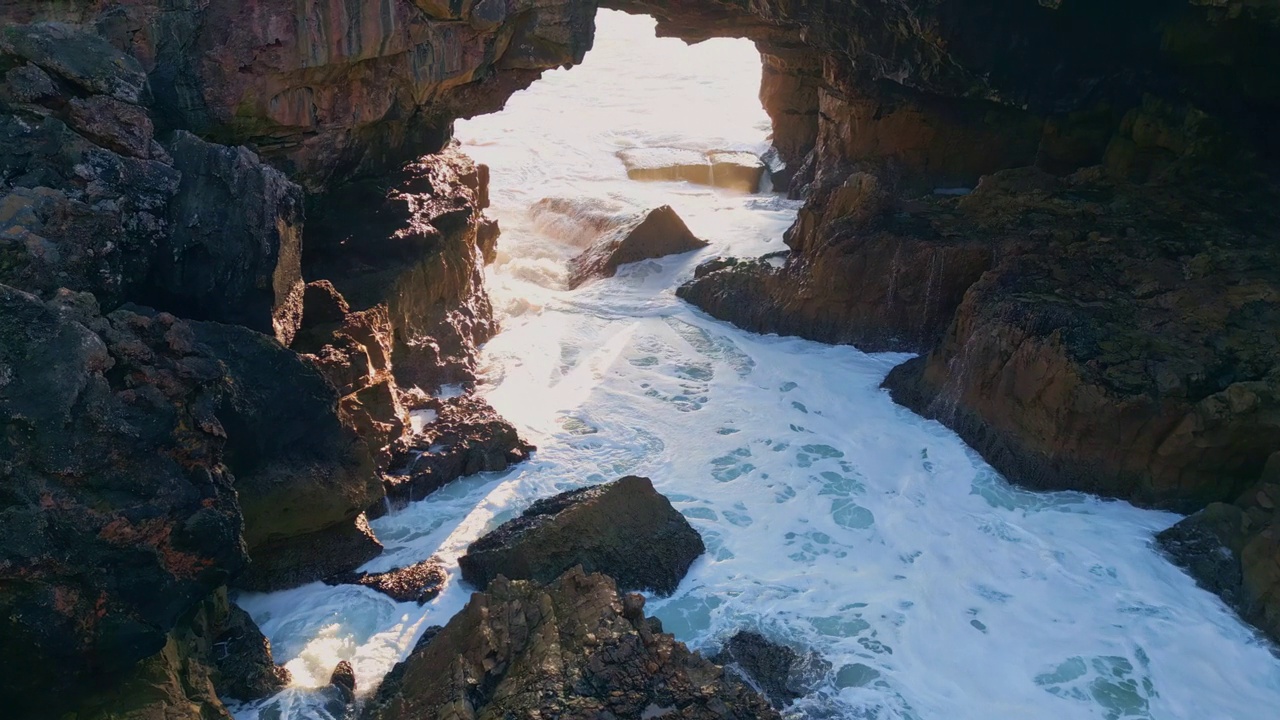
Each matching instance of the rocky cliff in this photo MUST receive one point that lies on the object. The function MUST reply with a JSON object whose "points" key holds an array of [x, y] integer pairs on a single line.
{"points": [[201, 385], [221, 216]]}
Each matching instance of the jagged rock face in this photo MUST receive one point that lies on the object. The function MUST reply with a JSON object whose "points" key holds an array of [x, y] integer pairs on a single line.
{"points": [[119, 516], [332, 89], [859, 273], [572, 649], [465, 437], [652, 234], [1109, 350], [298, 469], [94, 202], [420, 252], [624, 529]]}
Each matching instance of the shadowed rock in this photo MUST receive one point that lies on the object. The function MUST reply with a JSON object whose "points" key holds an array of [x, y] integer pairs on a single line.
{"points": [[420, 582], [624, 529], [310, 557], [741, 171], [1233, 550], [572, 649], [653, 234], [781, 674]]}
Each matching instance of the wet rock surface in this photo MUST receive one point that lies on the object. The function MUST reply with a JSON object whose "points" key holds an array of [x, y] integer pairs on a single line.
{"points": [[1233, 550], [570, 649], [466, 436], [652, 234], [420, 582], [780, 673], [624, 529], [301, 559]]}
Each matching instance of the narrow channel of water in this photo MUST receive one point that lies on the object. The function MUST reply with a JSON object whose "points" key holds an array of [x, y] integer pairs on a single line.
{"points": [[835, 520]]}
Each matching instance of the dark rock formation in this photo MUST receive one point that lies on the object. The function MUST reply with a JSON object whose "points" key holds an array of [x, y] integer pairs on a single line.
{"points": [[298, 469], [353, 351], [652, 234], [781, 674], [119, 516], [467, 436], [1110, 350], [624, 529], [573, 649], [862, 271], [215, 650], [1233, 550], [234, 253], [418, 249], [310, 557], [418, 583]]}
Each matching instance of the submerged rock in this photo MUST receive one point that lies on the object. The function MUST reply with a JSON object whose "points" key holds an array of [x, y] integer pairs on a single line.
{"points": [[780, 673], [653, 234], [624, 529], [420, 582], [572, 649]]}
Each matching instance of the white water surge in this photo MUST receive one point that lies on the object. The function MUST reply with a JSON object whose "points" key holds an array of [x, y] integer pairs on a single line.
{"points": [[835, 520]]}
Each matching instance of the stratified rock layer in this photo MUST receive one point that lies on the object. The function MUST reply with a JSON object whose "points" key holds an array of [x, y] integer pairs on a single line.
{"points": [[572, 649], [624, 529]]}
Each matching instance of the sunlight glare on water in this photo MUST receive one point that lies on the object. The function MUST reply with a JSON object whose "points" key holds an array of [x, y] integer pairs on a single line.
{"points": [[835, 521]]}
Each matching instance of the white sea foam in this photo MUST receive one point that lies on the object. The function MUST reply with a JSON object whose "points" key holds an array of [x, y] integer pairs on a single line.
{"points": [[834, 520]]}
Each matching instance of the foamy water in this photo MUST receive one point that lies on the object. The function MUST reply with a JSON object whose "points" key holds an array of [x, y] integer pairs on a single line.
{"points": [[835, 521]]}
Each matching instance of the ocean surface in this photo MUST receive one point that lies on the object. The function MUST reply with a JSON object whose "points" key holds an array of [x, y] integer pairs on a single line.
{"points": [[835, 521]]}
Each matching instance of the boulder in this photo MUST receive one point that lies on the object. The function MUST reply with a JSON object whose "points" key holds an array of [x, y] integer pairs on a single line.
{"points": [[573, 649], [119, 516], [652, 234], [780, 673], [741, 171], [420, 582], [465, 436], [624, 529]]}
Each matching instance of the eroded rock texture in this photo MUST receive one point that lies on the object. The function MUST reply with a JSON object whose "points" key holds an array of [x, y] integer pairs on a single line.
{"points": [[572, 649], [119, 514]]}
